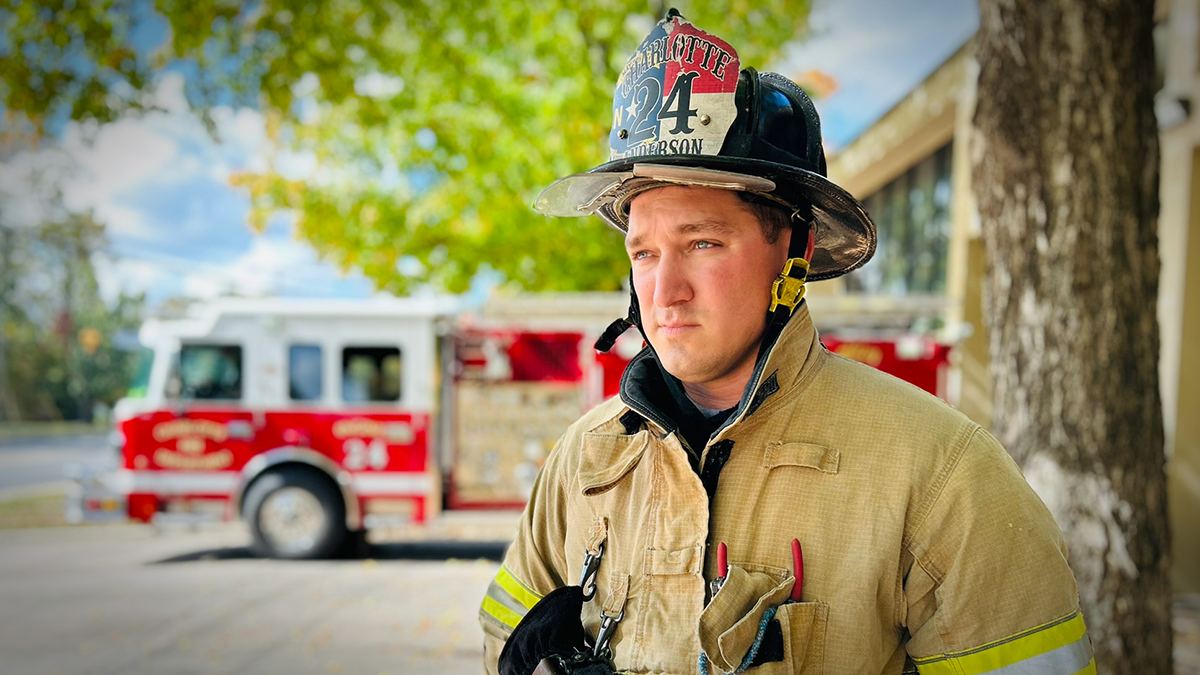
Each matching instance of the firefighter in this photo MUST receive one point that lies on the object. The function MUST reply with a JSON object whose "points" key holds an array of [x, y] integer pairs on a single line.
{"points": [[751, 502]]}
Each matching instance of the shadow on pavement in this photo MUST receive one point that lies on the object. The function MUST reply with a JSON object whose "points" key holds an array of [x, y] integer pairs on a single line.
{"points": [[409, 550]]}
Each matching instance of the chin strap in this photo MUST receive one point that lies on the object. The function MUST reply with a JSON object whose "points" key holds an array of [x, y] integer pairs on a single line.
{"points": [[609, 337], [617, 328]]}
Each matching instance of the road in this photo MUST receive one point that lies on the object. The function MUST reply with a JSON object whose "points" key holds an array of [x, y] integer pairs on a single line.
{"points": [[132, 600], [32, 465]]}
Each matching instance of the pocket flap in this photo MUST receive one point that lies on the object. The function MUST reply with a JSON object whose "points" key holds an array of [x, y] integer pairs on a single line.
{"points": [[807, 455], [729, 624], [606, 458], [688, 560]]}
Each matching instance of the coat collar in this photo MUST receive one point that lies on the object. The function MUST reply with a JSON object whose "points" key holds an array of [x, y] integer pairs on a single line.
{"points": [[790, 362], [788, 367]]}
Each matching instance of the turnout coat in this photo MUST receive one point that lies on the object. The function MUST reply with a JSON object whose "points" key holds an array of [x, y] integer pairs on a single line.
{"points": [[923, 544]]}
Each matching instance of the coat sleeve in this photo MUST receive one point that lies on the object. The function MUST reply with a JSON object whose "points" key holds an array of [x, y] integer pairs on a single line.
{"points": [[534, 564], [989, 589]]}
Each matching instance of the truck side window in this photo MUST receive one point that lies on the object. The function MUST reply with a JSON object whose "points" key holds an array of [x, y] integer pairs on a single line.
{"points": [[304, 372], [210, 371], [370, 374]]}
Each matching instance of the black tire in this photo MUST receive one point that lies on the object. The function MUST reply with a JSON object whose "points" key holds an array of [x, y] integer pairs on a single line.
{"points": [[354, 546], [314, 496]]}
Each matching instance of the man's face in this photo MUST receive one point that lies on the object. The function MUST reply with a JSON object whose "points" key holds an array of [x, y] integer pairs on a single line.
{"points": [[702, 269]]}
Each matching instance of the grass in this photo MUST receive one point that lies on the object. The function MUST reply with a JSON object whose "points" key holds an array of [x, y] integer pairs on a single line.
{"points": [[34, 511]]}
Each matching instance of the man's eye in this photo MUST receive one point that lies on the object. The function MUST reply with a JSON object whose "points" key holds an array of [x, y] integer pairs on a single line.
{"points": [[705, 244], [639, 255]]}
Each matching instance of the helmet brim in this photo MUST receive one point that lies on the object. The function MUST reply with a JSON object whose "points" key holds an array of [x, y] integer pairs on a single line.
{"points": [[845, 235]]}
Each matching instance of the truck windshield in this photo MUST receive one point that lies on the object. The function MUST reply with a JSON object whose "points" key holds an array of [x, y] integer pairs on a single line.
{"points": [[140, 381], [210, 371]]}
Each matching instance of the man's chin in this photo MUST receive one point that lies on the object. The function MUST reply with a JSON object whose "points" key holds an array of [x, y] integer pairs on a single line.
{"points": [[683, 366]]}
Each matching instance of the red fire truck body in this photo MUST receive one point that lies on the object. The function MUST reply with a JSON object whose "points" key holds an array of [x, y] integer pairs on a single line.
{"points": [[315, 420]]}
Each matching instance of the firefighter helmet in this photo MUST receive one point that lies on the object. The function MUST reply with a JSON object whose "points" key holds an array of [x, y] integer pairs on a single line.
{"points": [[685, 113]]}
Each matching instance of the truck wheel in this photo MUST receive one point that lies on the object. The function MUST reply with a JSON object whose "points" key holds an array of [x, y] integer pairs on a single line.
{"points": [[295, 514]]}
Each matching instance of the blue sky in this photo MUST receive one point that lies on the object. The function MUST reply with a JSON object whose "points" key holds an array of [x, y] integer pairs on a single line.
{"points": [[177, 227], [877, 51]]}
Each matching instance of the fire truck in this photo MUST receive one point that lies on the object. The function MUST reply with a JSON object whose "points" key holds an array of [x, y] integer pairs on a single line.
{"points": [[317, 420]]}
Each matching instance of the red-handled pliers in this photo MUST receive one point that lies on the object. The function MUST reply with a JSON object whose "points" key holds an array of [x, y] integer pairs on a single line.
{"points": [[798, 569]]}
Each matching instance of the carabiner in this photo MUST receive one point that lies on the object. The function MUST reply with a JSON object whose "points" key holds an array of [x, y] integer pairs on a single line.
{"points": [[608, 626], [591, 565]]}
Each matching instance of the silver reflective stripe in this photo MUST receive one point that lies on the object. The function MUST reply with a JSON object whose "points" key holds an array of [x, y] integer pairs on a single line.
{"points": [[1066, 660], [496, 592]]}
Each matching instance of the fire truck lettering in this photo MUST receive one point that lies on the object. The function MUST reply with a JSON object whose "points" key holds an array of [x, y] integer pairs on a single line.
{"points": [[169, 459], [190, 444], [398, 432], [361, 427], [186, 427], [871, 355]]}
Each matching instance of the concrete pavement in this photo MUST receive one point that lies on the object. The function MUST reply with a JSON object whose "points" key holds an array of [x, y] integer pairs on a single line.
{"points": [[132, 600]]}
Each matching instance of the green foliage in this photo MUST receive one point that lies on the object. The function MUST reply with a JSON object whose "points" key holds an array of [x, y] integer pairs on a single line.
{"points": [[433, 124], [50, 302]]}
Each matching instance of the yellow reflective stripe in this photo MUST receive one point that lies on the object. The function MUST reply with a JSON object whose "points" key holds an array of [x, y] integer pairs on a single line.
{"points": [[501, 613], [520, 592], [1012, 650]]}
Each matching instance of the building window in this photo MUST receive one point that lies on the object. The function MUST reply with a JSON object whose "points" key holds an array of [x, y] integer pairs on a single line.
{"points": [[912, 219], [370, 374], [304, 372], [210, 372]]}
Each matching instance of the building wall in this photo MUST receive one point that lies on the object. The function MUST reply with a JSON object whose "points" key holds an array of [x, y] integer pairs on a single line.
{"points": [[936, 112], [1183, 466], [1179, 282]]}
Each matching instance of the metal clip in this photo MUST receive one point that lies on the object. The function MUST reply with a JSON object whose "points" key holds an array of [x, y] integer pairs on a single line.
{"points": [[788, 290], [591, 565], [608, 626]]}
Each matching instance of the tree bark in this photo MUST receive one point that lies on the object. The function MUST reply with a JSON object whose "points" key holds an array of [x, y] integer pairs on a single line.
{"points": [[1065, 169]]}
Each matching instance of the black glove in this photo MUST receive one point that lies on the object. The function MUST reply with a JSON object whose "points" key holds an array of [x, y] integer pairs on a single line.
{"points": [[552, 632]]}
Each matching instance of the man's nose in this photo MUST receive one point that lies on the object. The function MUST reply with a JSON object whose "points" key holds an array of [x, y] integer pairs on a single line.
{"points": [[671, 285]]}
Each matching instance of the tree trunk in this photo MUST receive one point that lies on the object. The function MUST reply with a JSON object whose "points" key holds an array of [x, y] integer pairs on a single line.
{"points": [[1065, 167]]}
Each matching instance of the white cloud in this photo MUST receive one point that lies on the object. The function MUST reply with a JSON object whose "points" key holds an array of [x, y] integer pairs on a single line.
{"points": [[99, 168], [275, 266], [133, 277]]}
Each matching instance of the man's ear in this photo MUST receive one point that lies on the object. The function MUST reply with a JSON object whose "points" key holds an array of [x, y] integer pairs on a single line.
{"points": [[783, 244]]}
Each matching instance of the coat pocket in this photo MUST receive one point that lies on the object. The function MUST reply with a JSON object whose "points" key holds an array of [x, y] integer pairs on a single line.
{"points": [[802, 625], [730, 624]]}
